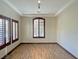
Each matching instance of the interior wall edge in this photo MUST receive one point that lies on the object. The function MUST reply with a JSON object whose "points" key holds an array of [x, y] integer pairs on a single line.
{"points": [[67, 50]]}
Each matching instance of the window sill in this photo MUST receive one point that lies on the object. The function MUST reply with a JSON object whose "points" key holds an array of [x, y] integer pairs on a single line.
{"points": [[38, 37], [8, 43], [14, 40], [3, 46]]}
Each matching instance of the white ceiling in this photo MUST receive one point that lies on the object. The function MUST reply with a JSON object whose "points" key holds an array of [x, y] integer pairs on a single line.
{"points": [[30, 7]]}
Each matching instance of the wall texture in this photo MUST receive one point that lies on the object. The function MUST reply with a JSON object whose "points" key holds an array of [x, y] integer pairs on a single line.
{"points": [[9, 12], [67, 28], [27, 30]]}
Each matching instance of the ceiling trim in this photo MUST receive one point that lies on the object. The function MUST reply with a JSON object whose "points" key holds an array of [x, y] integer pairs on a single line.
{"points": [[69, 3], [12, 6], [38, 15]]}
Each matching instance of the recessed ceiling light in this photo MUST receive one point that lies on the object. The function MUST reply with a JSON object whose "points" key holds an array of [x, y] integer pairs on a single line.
{"points": [[39, 1]]}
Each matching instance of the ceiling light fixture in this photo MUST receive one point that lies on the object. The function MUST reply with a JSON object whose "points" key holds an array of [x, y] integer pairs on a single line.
{"points": [[39, 5], [38, 10], [39, 1]]}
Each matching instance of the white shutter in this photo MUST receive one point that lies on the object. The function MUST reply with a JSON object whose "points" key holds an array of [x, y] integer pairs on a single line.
{"points": [[1, 32]]}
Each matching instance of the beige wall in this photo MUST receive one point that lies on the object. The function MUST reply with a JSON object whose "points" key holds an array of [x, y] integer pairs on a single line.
{"points": [[67, 28], [27, 30], [9, 12]]}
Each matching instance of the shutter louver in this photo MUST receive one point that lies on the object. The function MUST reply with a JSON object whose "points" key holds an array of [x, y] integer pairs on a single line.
{"points": [[2, 32]]}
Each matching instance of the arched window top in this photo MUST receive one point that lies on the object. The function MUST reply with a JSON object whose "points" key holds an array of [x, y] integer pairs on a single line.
{"points": [[39, 18]]}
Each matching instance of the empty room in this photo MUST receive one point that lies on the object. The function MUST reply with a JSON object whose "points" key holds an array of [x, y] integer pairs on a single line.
{"points": [[38, 29]]}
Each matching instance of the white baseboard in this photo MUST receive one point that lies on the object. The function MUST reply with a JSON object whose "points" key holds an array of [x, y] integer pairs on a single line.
{"points": [[38, 42]]}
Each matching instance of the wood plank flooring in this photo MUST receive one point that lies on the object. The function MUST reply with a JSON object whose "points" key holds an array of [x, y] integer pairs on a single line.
{"points": [[39, 51]]}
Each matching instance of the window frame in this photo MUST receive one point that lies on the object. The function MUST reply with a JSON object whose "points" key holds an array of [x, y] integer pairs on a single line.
{"points": [[6, 18], [3, 45], [15, 30], [38, 27], [6, 44]]}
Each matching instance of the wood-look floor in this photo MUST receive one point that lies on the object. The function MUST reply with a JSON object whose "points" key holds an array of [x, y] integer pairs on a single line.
{"points": [[39, 51]]}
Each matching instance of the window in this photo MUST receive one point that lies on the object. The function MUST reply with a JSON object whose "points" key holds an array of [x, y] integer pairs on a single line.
{"points": [[38, 27], [6, 33], [15, 30], [5, 37], [2, 32], [8, 30]]}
